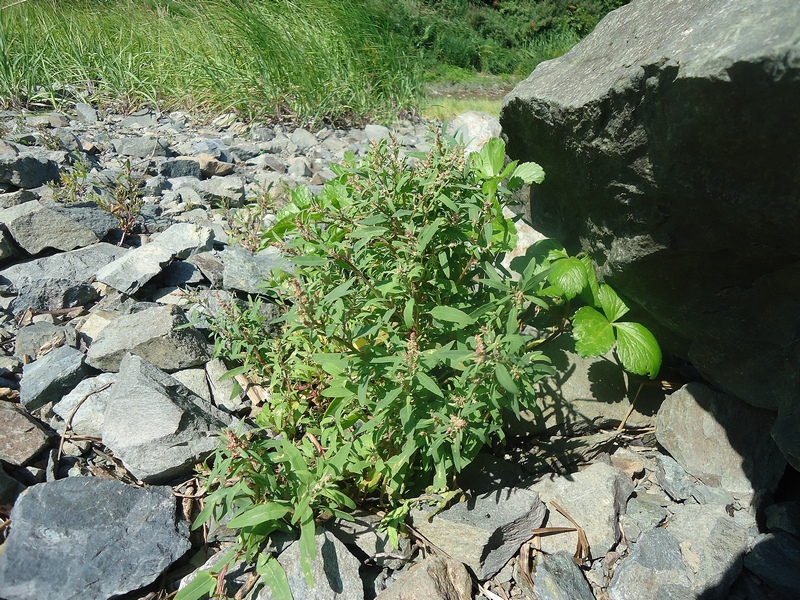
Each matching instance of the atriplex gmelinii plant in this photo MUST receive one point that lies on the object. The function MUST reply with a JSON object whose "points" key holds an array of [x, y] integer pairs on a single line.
{"points": [[406, 345]]}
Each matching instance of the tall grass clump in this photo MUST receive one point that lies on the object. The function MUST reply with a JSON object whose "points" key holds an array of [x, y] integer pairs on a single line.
{"points": [[308, 61]]}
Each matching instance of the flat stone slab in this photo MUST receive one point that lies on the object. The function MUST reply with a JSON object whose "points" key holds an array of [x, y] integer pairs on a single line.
{"points": [[155, 425], [138, 266], [485, 531], [559, 578], [434, 578], [50, 377], [152, 334], [245, 271], [92, 394], [84, 537], [22, 438], [35, 227]]}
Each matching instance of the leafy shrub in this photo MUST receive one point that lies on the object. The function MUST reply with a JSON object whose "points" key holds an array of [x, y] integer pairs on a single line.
{"points": [[406, 346]]}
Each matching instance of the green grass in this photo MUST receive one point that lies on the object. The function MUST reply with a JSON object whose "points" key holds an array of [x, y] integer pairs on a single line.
{"points": [[304, 61]]}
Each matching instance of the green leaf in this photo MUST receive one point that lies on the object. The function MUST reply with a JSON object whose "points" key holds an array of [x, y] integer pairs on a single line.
{"points": [[258, 514], [203, 584], [529, 172], [428, 383], [570, 275], [308, 548], [494, 152], [274, 576], [310, 261], [592, 332], [451, 315], [504, 378], [339, 291], [611, 304], [408, 314], [638, 349]]}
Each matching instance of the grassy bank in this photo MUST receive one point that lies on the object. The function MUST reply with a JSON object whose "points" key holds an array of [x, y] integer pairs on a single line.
{"points": [[303, 61]]}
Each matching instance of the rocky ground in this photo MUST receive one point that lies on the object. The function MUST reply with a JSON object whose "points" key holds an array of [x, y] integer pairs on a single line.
{"points": [[108, 401]]}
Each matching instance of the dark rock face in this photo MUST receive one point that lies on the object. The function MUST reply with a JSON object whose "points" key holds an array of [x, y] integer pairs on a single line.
{"points": [[669, 140]]}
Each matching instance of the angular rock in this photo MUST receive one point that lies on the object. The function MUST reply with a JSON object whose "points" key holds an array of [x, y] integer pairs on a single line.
{"points": [[474, 129], [85, 113], [222, 191], [184, 239], [646, 515], [10, 488], [674, 479], [88, 214], [58, 281], [334, 569], [92, 394], [245, 271], [559, 578], [22, 438], [775, 560], [41, 337], [210, 166], [195, 381], [6, 249], [86, 537], [487, 530], [364, 532], [303, 139], [222, 391], [27, 170], [10, 199], [133, 270], [183, 166], [434, 578], [639, 130], [50, 377], [784, 516], [156, 334], [155, 425], [379, 132], [712, 545], [654, 569], [720, 440], [141, 147], [595, 498], [35, 227]]}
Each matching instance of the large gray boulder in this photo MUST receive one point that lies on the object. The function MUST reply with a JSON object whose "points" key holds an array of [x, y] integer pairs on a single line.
{"points": [[669, 140]]}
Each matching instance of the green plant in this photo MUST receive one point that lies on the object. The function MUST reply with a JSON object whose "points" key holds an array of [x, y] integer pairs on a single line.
{"points": [[247, 223], [126, 200], [405, 347], [74, 185]]}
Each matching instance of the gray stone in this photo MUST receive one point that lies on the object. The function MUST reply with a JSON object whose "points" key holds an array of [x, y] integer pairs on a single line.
{"points": [[784, 516], [222, 191], [261, 134], [85, 113], [41, 336], [245, 271], [654, 564], [474, 129], [379, 132], [195, 381], [22, 438], [639, 129], [674, 479], [712, 545], [645, 514], [299, 167], [155, 425], [59, 281], [141, 118], [214, 147], [365, 533], [303, 139], [92, 394], [50, 377], [180, 274], [10, 488], [180, 167], [775, 560], [485, 531], [27, 170], [66, 139], [226, 393], [721, 440], [6, 249], [334, 569], [559, 578], [87, 214], [35, 227], [9, 199], [156, 334], [184, 239], [133, 270], [434, 578], [595, 498], [86, 537], [141, 147]]}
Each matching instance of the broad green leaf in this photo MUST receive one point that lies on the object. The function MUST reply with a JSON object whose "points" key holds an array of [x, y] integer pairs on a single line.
{"points": [[203, 584], [339, 291], [310, 261], [569, 274], [368, 232], [274, 576], [504, 378], [529, 172], [408, 314], [260, 513], [638, 349], [338, 392], [611, 304], [592, 332], [428, 383], [494, 152], [451, 315], [594, 285]]}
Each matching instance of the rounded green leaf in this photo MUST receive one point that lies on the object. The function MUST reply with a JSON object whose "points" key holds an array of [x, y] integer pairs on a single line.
{"points": [[569, 274], [638, 349], [611, 304], [592, 332], [529, 172]]}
